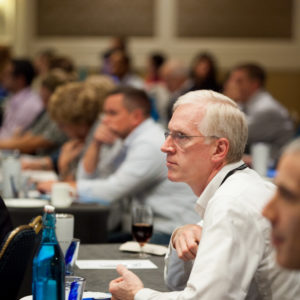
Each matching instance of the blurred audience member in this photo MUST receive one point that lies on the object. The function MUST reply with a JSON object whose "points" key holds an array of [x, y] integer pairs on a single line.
{"points": [[42, 64], [204, 73], [120, 65], [269, 122], [175, 76], [66, 64], [42, 136], [116, 43], [156, 88], [283, 210], [137, 170], [24, 105], [4, 59], [75, 107], [154, 63]]}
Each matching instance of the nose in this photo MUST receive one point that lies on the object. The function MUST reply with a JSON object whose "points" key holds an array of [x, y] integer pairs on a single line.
{"points": [[168, 146]]}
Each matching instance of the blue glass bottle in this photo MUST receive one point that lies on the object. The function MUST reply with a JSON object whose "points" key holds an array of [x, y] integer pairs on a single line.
{"points": [[48, 278]]}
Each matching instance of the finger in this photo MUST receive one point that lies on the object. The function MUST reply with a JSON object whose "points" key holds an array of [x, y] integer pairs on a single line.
{"points": [[122, 270], [117, 280], [185, 245], [184, 253], [193, 247]]}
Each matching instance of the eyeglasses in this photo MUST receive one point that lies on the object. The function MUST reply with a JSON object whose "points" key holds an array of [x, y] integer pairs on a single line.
{"points": [[182, 139]]}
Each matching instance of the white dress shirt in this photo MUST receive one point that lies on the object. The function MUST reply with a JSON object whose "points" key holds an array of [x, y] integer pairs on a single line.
{"points": [[235, 259], [138, 170]]}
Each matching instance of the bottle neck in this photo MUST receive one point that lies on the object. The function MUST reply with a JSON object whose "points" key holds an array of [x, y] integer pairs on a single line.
{"points": [[49, 234]]}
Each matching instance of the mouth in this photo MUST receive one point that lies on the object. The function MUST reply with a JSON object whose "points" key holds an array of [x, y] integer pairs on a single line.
{"points": [[170, 163]]}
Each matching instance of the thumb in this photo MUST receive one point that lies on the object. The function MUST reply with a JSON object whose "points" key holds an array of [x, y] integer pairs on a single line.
{"points": [[122, 270]]}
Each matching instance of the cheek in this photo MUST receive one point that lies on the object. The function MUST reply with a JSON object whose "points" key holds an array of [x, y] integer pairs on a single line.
{"points": [[293, 227]]}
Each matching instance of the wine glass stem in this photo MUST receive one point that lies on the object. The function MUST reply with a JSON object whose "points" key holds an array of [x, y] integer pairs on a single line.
{"points": [[142, 252]]}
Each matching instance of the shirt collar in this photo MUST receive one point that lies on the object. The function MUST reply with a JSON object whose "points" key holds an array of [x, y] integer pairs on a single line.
{"points": [[212, 187], [137, 131]]}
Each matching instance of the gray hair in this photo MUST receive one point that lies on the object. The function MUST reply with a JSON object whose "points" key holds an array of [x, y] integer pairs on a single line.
{"points": [[293, 147], [222, 118]]}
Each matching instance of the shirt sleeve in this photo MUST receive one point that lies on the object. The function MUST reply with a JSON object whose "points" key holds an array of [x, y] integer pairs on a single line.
{"points": [[222, 268], [143, 166]]}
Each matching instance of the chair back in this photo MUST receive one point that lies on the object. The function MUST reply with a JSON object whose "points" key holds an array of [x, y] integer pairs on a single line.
{"points": [[17, 252]]}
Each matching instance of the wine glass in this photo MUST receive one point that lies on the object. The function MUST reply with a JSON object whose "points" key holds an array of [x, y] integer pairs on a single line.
{"points": [[142, 225]]}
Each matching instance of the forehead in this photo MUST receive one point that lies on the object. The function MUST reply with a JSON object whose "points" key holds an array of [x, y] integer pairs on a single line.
{"points": [[186, 118], [239, 73], [114, 101], [289, 172]]}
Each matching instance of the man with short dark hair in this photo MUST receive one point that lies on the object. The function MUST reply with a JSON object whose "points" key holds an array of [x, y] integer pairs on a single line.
{"points": [[137, 170], [24, 105], [268, 120]]}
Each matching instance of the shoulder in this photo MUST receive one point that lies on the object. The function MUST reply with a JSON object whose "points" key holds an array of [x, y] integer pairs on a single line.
{"points": [[244, 193]]}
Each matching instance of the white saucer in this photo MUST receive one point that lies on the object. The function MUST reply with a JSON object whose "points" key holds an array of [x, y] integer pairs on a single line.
{"points": [[95, 295], [25, 202]]}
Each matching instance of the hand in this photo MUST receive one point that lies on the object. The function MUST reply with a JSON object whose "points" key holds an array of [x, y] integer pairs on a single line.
{"points": [[45, 186], [186, 240], [126, 286], [103, 135], [70, 151]]}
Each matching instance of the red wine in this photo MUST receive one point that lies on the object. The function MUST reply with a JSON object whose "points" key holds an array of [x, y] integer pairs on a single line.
{"points": [[142, 232]]}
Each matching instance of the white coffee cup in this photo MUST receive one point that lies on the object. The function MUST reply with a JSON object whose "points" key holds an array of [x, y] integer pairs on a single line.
{"points": [[62, 194], [64, 230], [260, 153]]}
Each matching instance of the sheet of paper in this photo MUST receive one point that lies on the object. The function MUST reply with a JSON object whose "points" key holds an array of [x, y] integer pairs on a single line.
{"points": [[112, 264]]}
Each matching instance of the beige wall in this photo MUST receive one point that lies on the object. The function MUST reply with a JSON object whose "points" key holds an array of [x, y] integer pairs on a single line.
{"points": [[281, 57]]}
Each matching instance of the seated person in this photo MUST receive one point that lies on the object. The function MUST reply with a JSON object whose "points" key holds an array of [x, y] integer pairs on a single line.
{"points": [[268, 121], [42, 136], [283, 210], [137, 170], [228, 256], [23, 105], [75, 107]]}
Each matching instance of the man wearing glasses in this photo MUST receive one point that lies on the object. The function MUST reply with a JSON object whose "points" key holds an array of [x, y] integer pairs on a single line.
{"points": [[229, 255]]}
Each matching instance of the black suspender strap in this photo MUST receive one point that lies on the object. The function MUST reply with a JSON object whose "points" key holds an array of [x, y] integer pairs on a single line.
{"points": [[242, 167]]}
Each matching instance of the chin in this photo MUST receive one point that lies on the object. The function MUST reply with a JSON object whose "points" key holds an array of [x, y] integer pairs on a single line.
{"points": [[173, 178], [289, 261]]}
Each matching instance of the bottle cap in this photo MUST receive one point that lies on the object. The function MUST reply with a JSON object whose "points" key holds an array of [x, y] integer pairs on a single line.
{"points": [[49, 209]]}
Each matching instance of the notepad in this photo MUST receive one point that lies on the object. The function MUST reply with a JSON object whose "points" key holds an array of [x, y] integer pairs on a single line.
{"points": [[112, 264]]}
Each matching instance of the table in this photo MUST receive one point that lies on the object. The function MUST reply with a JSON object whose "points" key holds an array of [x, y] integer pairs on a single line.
{"points": [[98, 280], [90, 220]]}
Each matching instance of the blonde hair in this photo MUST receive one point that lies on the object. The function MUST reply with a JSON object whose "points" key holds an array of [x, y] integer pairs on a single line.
{"points": [[222, 118], [74, 103], [102, 85]]}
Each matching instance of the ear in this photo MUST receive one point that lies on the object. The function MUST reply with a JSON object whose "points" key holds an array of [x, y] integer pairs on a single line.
{"points": [[221, 149]]}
